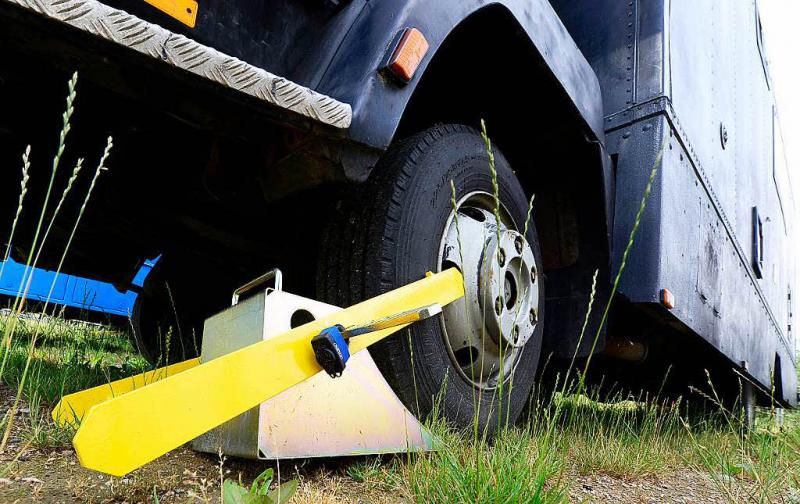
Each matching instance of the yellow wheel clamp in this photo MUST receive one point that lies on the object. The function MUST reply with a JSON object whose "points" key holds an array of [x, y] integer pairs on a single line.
{"points": [[266, 391]]}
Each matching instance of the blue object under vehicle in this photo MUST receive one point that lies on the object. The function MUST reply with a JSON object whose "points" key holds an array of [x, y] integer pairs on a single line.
{"points": [[73, 291]]}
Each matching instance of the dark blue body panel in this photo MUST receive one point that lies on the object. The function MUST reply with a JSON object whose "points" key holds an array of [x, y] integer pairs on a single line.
{"points": [[378, 107], [693, 76]]}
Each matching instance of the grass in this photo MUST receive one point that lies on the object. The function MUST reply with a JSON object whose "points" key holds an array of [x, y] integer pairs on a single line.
{"points": [[626, 439], [574, 435], [68, 357], [37, 246], [753, 465], [519, 466]]}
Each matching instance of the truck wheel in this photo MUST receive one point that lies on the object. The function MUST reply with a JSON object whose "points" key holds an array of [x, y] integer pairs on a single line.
{"points": [[163, 334], [479, 358]]}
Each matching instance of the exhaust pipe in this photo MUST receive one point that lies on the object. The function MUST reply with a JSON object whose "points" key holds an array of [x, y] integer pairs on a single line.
{"points": [[626, 349]]}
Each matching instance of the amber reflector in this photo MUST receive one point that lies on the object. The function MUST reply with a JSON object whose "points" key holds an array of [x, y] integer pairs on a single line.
{"points": [[409, 53], [667, 299]]}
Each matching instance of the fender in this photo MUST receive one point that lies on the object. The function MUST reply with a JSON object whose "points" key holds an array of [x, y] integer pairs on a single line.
{"points": [[379, 103]]}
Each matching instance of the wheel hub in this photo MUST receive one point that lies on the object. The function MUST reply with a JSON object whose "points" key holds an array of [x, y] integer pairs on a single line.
{"points": [[507, 281], [487, 329]]}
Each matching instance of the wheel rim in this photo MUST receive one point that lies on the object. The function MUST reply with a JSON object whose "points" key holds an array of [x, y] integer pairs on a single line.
{"points": [[486, 331]]}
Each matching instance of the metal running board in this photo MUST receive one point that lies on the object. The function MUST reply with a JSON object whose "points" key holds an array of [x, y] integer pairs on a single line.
{"points": [[181, 52]]}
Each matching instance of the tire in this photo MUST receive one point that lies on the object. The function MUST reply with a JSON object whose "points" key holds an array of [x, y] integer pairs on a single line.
{"points": [[162, 333], [388, 232]]}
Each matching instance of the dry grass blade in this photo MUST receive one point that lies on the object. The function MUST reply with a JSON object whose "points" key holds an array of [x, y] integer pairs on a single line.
{"points": [[27, 277], [101, 166], [631, 238], [23, 190]]}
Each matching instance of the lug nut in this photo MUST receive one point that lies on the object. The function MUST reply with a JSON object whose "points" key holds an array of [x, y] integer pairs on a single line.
{"points": [[533, 275], [515, 334], [501, 257], [498, 305], [532, 317], [518, 244]]}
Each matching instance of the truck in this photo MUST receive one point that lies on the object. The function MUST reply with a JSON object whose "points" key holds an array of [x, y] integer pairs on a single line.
{"points": [[340, 140]]}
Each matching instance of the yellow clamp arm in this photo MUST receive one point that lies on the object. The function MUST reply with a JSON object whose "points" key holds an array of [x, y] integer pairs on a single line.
{"points": [[129, 430]]}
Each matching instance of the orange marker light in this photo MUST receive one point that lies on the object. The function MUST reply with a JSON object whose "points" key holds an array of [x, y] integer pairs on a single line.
{"points": [[405, 60], [667, 299]]}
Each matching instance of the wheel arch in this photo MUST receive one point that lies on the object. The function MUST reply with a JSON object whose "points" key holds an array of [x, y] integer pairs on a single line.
{"points": [[379, 102], [525, 109], [512, 63]]}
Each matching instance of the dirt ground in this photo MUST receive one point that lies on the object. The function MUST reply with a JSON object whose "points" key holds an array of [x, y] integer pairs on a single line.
{"points": [[54, 475], [186, 476]]}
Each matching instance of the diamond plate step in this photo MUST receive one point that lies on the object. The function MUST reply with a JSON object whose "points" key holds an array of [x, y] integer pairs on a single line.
{"points": [[147, 38]]}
